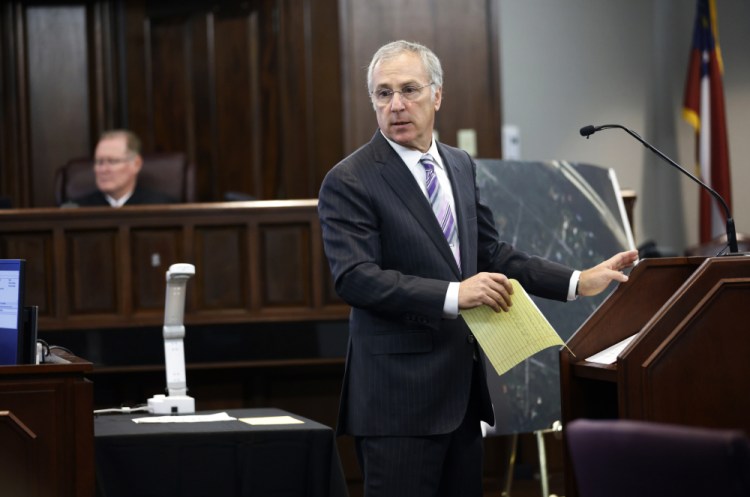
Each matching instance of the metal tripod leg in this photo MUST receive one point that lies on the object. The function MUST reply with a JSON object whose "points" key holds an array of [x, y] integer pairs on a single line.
{"points": [[542, 462], [543, 474], [511, 465]]}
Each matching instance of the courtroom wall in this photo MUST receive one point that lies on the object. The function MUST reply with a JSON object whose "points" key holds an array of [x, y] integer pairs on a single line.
{"points": [[573, 63], [263, 96], [240, 87]]}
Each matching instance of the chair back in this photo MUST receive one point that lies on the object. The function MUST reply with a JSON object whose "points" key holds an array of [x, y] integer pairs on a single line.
{"points": [[618, 458], [168, 173]]}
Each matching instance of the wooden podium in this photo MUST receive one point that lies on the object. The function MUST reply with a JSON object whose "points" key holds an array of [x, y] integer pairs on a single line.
{"points": [[690, 360], [47, 429]]}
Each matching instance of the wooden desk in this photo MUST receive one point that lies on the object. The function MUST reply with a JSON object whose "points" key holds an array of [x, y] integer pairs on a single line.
{"points": [[46, 430], [94, 268]]}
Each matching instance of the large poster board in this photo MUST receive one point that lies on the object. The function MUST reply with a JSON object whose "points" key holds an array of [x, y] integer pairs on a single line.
{"points": [[567, 212]]}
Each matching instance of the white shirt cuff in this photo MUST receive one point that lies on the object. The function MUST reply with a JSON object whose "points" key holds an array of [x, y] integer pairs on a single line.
{"points": [[450, 307], [573, 285]]}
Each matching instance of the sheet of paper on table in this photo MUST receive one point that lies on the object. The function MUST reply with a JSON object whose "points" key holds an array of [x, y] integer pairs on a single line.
{"points": [[190, 418], [272, 420]]}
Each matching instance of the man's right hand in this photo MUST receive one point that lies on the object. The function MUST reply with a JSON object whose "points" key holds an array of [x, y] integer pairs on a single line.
{"points": [[492, 289]]}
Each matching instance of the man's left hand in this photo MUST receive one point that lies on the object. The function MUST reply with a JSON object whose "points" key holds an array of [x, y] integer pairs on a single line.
{"points": [[594, 280]]}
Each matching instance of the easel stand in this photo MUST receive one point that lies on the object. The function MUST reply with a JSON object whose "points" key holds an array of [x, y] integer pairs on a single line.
{"points": [[542, 451], [543, 473]]}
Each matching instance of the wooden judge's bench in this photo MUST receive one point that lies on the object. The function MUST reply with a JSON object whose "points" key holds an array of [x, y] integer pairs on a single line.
{"points": [[101, 267]]}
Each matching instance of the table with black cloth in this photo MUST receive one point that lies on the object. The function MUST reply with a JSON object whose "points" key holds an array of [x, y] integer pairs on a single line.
{"points": [[216, 459]]}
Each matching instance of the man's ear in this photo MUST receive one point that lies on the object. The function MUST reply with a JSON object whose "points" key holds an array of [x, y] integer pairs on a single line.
{"points": [[138, 163], [438, 98]]}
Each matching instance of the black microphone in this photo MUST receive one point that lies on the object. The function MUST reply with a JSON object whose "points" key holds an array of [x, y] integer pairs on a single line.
{"points": [[589, 130]]}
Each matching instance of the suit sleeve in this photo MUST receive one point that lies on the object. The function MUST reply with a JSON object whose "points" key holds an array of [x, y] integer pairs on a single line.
{"points": [[351, 228]]}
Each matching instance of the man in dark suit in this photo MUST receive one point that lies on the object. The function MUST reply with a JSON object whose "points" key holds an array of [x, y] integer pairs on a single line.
{"points": [[415, 389], [117, 162]]}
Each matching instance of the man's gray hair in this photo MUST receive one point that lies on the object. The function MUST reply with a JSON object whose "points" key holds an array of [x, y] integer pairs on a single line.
{"points": [[132, 142], [429, 60]]}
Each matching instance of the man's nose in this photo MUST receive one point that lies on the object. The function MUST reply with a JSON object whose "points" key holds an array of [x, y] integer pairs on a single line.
{"points": [[397, 102]]}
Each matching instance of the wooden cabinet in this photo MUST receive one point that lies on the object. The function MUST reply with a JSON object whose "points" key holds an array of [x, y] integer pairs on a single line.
{"points": [[47, 429]]}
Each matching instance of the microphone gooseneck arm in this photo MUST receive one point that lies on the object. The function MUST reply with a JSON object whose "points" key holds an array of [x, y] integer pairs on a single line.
{"points": [[589, 130]]}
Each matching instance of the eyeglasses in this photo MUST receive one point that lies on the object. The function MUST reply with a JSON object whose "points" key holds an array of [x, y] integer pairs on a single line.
{"points": [[111, 161], [384, 96]]}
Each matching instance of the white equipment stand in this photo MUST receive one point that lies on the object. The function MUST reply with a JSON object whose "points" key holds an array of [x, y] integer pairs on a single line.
{"points": [[177, 402]]}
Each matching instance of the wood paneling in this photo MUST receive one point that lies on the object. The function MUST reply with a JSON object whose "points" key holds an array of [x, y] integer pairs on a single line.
{"points": [[231, 86], [154, 250], [18, 458], [58, 91], [105, 268], [286, 265], [169, 80], [92, 271], [222, 253], [13, 173], [325, 137], [471, 82], [264, 96], [238, 140], [36, 247], [228, 84]]}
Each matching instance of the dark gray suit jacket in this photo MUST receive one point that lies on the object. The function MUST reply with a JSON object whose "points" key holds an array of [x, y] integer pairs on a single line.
{"points": [[409, 370]]}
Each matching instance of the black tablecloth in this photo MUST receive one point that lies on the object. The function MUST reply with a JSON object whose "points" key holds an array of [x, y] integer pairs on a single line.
{"points": [[216, 459]]}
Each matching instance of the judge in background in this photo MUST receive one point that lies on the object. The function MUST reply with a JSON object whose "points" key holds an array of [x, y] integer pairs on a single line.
{"points": [[117, 162], [414, 388]]}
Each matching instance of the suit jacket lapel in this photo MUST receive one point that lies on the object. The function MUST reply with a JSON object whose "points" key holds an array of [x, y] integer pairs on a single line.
{"points": [[400, 179]]}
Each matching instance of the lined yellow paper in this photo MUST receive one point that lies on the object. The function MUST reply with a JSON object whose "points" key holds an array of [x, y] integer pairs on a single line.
{"points": [[507, 338]]}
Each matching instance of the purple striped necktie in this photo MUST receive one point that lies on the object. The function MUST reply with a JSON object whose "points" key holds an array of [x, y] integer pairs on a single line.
{"points": [[440, 206]]}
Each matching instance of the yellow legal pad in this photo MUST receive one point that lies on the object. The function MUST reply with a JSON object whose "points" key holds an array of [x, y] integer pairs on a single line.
{"points": [[508, 338]]}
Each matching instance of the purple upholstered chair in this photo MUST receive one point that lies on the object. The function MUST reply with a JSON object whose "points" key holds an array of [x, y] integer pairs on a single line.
{"points": [[618, 458]]}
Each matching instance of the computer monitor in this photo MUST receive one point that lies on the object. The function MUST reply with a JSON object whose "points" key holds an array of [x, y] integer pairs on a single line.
{"points": [[12, 278]]}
